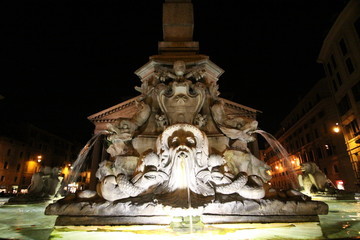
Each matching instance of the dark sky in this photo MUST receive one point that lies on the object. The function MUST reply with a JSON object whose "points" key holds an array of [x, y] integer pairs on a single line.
{"points": [[63, 61]]}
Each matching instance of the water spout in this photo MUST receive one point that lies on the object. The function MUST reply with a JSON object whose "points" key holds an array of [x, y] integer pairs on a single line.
{"points": [[77, 166], [187, 173], [282, 154]]}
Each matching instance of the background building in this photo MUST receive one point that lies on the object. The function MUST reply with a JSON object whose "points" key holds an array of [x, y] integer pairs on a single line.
{"points": [[324, 126], [24, 148]]}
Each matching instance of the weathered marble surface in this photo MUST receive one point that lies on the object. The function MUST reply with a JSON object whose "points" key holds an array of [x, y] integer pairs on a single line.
{"points": [[153, 209]]}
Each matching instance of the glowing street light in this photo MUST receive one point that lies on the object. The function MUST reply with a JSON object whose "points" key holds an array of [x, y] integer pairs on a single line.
{"points": [[336, 128], [39, 158]]}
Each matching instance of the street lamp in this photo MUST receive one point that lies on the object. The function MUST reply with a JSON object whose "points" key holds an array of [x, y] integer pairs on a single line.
{"points": [[336, 128], [39, 158]]}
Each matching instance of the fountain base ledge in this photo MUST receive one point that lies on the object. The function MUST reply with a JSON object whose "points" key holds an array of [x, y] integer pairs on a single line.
{"points": [[167, 220], [90, 213]]}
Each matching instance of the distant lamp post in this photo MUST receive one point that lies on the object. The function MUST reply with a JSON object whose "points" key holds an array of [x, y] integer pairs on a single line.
{"points": [[336, 128], [39, 158]]}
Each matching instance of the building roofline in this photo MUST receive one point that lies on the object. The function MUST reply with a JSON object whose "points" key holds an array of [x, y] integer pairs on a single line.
{"points": [[335, 29]]}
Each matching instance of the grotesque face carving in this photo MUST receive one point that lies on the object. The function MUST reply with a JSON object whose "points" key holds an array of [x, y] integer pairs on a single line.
{"points": [[182, 139], [183, 150]]}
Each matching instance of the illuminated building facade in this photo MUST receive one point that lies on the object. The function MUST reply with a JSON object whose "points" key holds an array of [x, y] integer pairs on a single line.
{"points": [[324, 126], [25, 148]]}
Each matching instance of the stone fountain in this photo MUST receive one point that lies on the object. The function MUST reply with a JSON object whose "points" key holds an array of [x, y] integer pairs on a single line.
{"points": [[181, 151], [44, 187], [313, 182]]}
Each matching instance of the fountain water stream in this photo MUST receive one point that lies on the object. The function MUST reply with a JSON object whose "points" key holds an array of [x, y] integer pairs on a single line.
{"points": [[187, 173], [282, 154], [78, 165]]}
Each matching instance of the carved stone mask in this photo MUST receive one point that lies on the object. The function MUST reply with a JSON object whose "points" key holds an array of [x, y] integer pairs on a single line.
{"points": [[182, 138]]}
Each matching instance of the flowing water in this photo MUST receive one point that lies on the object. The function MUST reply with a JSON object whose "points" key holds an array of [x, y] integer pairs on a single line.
{"points": [[187, 173], [282, 154], [78, 165]]}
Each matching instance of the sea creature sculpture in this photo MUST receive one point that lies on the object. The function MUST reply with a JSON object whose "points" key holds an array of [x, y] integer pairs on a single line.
{"points": [[312, 179], [181, 161]]}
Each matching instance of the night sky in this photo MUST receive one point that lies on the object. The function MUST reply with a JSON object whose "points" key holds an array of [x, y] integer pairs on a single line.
{"points": [[63, 61]]}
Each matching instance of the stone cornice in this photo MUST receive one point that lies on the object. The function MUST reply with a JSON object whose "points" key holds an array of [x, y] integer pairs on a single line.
{"points": [[212, 71], [102, 116], [110, 115], [247, 111]]}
